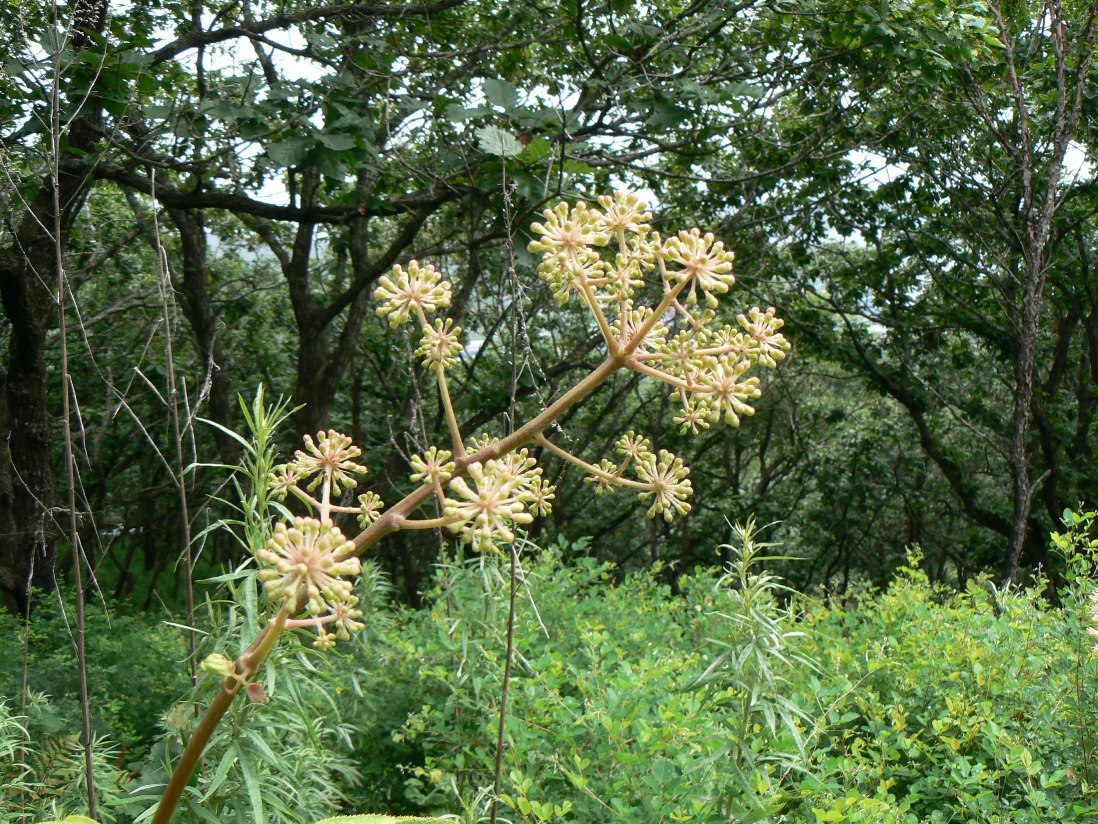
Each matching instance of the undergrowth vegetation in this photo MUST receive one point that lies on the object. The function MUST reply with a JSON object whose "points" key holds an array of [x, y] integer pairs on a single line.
{"points": [[696, 697]]}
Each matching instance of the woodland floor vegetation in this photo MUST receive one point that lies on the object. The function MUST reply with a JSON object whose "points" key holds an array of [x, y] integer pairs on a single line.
{"points": [[726, 699]]}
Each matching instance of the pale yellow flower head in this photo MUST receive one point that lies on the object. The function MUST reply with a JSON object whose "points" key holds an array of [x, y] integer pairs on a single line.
{"points": [[309, 556], [331, 455], [701, 260], [417, 287]]}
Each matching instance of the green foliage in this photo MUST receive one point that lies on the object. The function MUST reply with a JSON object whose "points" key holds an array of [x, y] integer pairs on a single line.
{"points": [[602, 724], [725, 698], [133, 671], [631, 703], [44, 777], [945, 706], [1077, 546]]}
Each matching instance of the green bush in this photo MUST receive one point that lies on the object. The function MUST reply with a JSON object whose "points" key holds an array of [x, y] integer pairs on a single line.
{"points": [[947, 706], [136, 668], [610, 717], [726, 698]]}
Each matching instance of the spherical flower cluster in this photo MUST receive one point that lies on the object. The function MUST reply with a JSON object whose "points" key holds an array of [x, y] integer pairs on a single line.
{"points": [[408, 290], [369, 508], [605, 480], [330, 458], [764, 343], [625, 212], [668, 484], [435, 466], [311, 558], [569, 230], [440, 344], [701, 261], [502, 493], [629, 322], [727, 390]]}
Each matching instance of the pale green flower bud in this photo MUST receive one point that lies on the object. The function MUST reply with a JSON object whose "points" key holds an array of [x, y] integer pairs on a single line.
{"points": [[434, 465], [668, 485], [330, 455]]}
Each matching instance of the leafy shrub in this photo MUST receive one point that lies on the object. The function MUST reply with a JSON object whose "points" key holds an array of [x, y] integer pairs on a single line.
{"points": [[135, 671], [287, 760], [947, 706], [622, 705], [45, 778]]}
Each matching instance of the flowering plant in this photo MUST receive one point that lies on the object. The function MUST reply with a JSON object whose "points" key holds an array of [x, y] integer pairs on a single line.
{"points": [[655, 302]]}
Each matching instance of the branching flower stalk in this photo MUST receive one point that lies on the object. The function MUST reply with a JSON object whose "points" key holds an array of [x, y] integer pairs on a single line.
{"points": [[605, 256]]}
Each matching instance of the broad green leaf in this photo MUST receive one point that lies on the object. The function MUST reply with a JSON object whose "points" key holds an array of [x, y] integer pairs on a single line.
{"points": [[383, 819], [288, 152], [459, 114], [337, 142], [500, 93], [497, 142]]}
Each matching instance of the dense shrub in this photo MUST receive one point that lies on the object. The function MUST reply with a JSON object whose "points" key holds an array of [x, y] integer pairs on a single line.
{"points": [[609, 715], [923, 704], [947, 706], [725, 699], [136, 668]]}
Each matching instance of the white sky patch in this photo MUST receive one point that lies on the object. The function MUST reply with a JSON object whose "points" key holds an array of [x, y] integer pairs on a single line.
{"points": [[876, 169], [1078, 164]]}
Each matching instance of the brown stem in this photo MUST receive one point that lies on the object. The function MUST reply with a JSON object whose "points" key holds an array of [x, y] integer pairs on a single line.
{"points": [[244, 668], [390, 522], [502, 729]]}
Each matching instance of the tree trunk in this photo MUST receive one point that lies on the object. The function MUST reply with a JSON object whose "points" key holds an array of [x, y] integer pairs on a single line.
{"points": [[28, 269], [194, 289]]}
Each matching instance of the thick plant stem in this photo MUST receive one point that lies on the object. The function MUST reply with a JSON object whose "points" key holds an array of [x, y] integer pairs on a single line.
{"points": [[397, 514], [246, 666], [448, 407], [252, 658]]}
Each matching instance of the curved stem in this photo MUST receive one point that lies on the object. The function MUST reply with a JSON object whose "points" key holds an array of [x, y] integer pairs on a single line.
{"points": [[390, 521], [668, 301], [245, 667], [644, 369], [428, 523], [444, 392], [448, 408], [591, 469], [596, 310]]}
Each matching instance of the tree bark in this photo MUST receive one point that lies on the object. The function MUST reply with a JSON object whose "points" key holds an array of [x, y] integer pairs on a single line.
{"points": [[27, 271], [1037, 213], [194, 289]]}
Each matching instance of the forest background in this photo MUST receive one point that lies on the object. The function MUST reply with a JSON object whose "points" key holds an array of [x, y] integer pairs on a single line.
{"points": [[199, 198]]}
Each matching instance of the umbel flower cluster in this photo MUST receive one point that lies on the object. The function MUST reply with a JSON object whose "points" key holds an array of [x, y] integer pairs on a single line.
{"points": [[310, 561], [656, 302]]}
